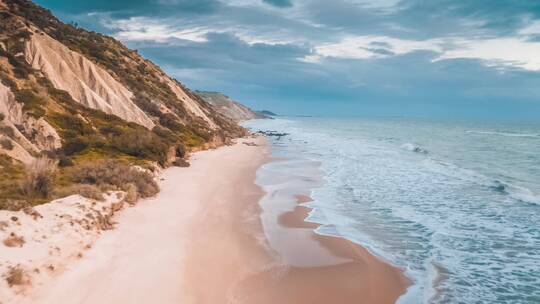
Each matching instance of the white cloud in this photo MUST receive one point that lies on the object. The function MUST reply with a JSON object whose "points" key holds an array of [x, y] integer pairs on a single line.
{"points": [[149, 29], [531, 29], [377, 4], [242, 2], [515, 52], [368, 47], [146, 29]]}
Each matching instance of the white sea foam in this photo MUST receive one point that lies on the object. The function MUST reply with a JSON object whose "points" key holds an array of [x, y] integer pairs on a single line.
{"points": [[414, 148], [509, 134], [462, 220]]}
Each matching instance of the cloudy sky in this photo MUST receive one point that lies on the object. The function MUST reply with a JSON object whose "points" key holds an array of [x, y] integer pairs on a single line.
{"points": [[435, 59]]}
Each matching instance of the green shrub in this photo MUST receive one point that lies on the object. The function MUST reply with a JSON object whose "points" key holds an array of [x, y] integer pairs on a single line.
{"points": [[32, 102], [7, 130], [70, 125], [74, 145], [12, 173], [20, 72], [116, 175], [6, 144], [171, 122], [180, 151], [165, 134], [110, 130], [141, 144], [64, 161], [8, 81]]}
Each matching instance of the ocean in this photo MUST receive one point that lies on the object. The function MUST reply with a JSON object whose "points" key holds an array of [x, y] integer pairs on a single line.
{"points": [[455, 204]]}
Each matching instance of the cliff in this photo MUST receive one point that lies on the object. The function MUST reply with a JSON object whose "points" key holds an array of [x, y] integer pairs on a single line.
{"points": [[79, 97], [228, 107]]}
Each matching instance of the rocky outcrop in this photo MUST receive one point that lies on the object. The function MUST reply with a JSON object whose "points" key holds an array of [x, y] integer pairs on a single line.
{"points": [[86, 82]]}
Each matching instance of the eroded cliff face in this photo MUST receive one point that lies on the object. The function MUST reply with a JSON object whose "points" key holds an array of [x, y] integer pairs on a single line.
{"points": [[100, 73], [27, 135], [191, 105], [86, 82]]}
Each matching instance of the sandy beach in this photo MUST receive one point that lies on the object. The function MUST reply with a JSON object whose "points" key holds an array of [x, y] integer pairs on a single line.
{"points": [[200, 240]]}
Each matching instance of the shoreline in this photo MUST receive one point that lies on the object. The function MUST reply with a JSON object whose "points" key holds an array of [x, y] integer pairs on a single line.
{"points": [[323, 269], [389, 281], [204, 242]]}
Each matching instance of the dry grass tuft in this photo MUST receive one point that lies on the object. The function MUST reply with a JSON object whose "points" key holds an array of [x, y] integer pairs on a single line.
{"points": [[17, 276], [39, 179], [116, 175], [32, 212], [131, 193], [14, 241], [85, 190], [180, 162]]}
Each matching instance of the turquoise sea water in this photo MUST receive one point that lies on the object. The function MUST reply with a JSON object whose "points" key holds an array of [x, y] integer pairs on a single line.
{"points": [[455, 204]]}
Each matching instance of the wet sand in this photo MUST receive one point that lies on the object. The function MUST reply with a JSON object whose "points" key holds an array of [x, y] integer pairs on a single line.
{"points": [[338, 270]]}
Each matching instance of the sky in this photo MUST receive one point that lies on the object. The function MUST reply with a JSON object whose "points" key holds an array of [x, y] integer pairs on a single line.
{"points": [[477, 59]]}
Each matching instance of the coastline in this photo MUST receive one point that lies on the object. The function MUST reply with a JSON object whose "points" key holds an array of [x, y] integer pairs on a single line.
{"points": [[204, 242], [323, 269], [375, 280]]}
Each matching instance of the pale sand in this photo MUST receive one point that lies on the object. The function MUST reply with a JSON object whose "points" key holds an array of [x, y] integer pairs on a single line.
{"points": [[201, 241], [55, 234]]}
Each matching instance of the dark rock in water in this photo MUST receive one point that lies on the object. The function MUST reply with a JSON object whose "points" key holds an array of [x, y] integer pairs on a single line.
{"points": [[499, 187], [420, 150], [267, 113], [273, 134]]}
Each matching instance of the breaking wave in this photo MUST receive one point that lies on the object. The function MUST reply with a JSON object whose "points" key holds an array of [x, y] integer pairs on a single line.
{"points": [[414, 148], [508, 134], [462, 221]]}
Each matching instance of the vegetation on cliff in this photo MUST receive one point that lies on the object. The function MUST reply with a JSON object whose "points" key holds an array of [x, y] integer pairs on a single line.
{"points": [[89, 136]]}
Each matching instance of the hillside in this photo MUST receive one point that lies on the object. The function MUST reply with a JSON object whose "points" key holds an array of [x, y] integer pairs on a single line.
{"points": [[228, 107], [76, 97]]}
